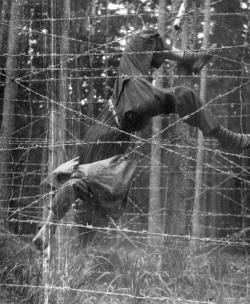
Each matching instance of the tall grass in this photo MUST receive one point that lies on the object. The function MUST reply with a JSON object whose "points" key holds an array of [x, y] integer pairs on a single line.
{"points": [[124, 274]]}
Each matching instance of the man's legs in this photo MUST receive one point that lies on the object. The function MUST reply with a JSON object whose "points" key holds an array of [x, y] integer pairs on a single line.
{"points": [[60, 205], [194, 112], [141, 101], [181, 100]]}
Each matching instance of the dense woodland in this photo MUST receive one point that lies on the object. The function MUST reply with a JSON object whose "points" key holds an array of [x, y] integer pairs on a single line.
{"points": [[58, 63]]}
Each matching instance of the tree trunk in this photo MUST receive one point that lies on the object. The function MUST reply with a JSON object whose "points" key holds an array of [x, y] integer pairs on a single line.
{"points": [[10, 93], [4, 9], [197, 208], [1, 25], [58, 95], [92, 27], [176, 194], [63, 234], [53, 265], [155, 206]]}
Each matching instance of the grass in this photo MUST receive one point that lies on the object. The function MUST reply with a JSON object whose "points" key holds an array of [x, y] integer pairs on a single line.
{"points": [[19, 269], [123, 274]]}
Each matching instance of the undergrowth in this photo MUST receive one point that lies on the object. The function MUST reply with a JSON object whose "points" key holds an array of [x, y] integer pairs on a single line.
{"points": [[19, 270], [121, 274]]}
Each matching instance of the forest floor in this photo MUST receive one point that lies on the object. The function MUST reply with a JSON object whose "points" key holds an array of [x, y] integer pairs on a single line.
{"points": [[123, 273]]}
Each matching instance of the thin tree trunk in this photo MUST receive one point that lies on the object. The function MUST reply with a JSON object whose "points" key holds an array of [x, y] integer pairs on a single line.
{"points": [[59, 97], [56, 133], [92, 29], [10, 93], [4, 8], [1, 8], [1, 24], [155, 206], [175, 197], [63, 87], [74, 122], [63, 234], [196, 228]]}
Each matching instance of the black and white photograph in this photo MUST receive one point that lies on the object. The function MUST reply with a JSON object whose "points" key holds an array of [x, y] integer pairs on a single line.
{"points": [[124, 152]]}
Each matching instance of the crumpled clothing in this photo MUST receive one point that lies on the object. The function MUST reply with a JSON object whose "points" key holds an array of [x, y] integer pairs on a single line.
{"points": [[192, 108], [139, 52], [106, 182], [134, 97]]}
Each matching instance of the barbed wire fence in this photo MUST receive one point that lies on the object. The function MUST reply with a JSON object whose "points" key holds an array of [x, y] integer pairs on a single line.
{"points": [[229, 170]]}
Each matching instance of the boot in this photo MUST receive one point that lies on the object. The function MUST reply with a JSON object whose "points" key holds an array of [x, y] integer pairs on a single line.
{"points": [[45, 234], [193, 62]]}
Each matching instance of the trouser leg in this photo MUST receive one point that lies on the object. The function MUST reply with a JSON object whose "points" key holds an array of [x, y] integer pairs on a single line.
{"points": [[142, 101], [193, 110], [62, 201], [183, 101], [60, 205]]}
